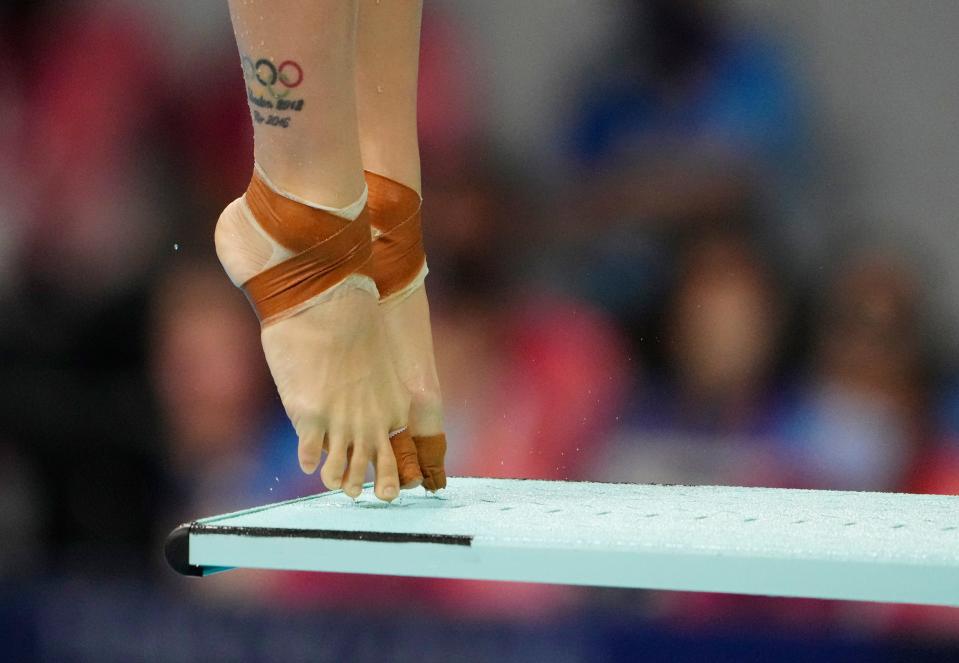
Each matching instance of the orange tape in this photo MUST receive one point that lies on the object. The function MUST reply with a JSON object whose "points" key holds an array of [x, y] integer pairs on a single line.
{"points": [[407, 464], [431, 451], [395, 211], [328, 248], [296, 226]]}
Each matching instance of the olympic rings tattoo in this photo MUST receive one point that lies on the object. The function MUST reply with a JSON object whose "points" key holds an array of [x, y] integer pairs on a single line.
{"points": [[289, 74]]}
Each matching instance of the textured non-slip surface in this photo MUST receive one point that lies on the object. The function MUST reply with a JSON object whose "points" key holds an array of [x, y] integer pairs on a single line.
{"points": [[871, 546]]}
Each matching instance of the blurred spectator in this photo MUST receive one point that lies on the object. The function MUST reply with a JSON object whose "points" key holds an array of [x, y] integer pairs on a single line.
{"points": [[92, 202], [530, 378], [691, 124], [213, 390], [449, 102], [864, 415], [723, 336], [709, 417], [78, 235]]}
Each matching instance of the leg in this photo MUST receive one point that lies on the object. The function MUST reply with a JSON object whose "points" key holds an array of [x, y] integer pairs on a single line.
{"points": [[298, 241], [387, 69], [315, 154], [386, 79]]}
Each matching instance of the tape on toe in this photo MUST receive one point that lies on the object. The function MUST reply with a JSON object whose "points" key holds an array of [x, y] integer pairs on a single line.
{"points": [[395, 215], [407, 462], [327, 250], [431, 453]]}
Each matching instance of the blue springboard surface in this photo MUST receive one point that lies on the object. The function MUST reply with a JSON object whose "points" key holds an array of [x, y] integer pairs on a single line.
{"points": [[820, 544]]}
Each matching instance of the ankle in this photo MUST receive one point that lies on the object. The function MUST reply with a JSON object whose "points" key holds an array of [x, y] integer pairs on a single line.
{"points": [[243, 249], [333, 190]]}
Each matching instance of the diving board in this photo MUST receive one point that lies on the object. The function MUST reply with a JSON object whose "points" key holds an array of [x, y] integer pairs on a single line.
{"points": [[888, 547]]}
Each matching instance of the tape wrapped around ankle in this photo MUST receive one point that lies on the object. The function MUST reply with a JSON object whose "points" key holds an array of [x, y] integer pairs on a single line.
{"points": [[395, 214], [327, 250]]}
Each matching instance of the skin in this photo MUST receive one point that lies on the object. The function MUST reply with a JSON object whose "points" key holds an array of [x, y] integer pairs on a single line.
{"points": [[332, 362], [317, 156], [387, 66]]}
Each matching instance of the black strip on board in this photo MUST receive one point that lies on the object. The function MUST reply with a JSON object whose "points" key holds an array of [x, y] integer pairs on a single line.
{"points": [[341, 535]]}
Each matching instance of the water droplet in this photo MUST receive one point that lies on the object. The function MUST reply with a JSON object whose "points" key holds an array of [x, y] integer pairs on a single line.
{"points": [[176, 247]]}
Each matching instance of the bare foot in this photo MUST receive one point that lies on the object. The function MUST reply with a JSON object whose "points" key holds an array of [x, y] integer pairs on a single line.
{"points": [[410, 340], [331, 366]]}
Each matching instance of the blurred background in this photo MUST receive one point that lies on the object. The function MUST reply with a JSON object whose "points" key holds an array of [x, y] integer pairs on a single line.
{"points": [[671, 241]]}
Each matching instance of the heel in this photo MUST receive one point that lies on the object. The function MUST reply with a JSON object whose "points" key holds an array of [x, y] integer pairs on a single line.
{"points": [[244, 251]]}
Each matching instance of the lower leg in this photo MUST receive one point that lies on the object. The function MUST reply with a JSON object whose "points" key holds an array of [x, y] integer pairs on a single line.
{"points": [[387, 69], [386, 81], [298, 67], [298, 241]]}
